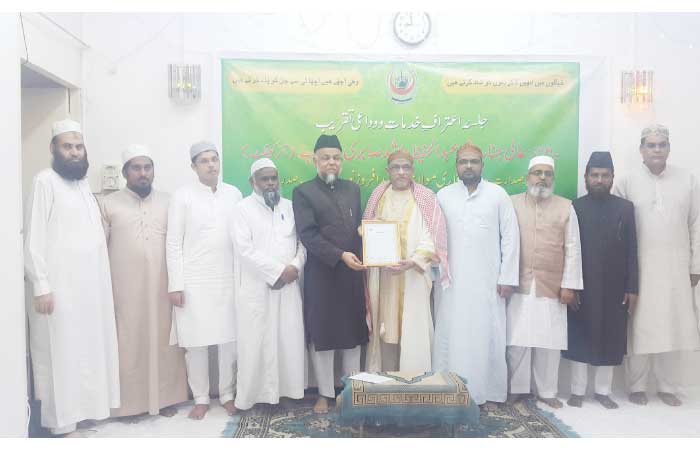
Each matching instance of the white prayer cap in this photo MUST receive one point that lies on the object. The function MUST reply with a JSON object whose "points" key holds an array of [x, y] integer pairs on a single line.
{"points": [[655, 130], [542, 159], [134, 150], [262, 163], [201, 146], [65, 126]]}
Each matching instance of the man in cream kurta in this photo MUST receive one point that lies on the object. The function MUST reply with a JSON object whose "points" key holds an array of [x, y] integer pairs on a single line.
{"points": [[73, 338], [200, 259], [550, 272], [152, 373], [484, 246], [399, 295], [667, 213], [270, 319]]}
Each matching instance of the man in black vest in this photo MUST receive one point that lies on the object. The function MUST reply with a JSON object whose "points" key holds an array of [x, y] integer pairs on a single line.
{"points": [[598, 324]]}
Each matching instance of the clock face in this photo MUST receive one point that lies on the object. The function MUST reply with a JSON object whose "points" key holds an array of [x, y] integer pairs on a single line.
{"points": [[411, 28]]}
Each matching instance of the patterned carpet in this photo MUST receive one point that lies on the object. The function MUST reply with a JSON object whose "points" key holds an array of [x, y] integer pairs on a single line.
{"points": [[521, 420]]}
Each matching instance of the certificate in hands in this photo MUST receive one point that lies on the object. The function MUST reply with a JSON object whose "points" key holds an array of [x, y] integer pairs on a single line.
{"points": [[380, 243]]}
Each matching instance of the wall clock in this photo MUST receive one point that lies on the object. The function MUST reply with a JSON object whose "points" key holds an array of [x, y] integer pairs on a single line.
{"points": [[411, 28]]}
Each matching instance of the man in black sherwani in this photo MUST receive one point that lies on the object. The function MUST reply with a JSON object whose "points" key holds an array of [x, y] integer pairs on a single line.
{"points": [[327, 215], [597, 324]]}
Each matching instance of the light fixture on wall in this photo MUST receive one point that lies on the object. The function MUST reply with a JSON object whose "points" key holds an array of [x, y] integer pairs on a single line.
{"points": [[637, 86], [185, 83]]}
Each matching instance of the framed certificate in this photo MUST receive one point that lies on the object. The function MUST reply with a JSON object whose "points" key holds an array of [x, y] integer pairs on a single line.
{"points": [[380, 243]]}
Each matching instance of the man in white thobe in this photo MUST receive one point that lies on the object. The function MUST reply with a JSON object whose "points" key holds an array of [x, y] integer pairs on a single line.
{"points": [[484, 247], [399, 295], [550, 272], [270, 319], [72, 332], [200, 258], [152, 374], [667, 213]]}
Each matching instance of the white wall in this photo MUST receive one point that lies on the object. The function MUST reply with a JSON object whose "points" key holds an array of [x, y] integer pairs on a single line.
{"points": [[125, 84], [13, 376]]}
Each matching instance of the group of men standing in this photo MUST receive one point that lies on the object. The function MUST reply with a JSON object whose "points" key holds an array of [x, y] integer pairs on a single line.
{"points": [[130, 292]]}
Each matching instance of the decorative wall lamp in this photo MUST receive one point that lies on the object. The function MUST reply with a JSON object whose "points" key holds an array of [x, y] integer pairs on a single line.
{"points": [[637, 86], [185, 83]]}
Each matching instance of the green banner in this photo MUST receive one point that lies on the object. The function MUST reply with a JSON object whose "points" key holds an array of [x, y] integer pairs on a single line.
{"points": [[512, 111]]}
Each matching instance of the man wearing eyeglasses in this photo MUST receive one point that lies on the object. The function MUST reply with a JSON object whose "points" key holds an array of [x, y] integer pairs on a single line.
{"points": [[550, 273], [402, 324], [667, 212]]}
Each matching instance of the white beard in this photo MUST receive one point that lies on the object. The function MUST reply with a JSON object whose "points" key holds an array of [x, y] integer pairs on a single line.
{"points": [[540, 192], [330, 178]]}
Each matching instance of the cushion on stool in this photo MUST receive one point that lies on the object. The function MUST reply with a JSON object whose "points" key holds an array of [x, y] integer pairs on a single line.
{"points": [[427, 398]]}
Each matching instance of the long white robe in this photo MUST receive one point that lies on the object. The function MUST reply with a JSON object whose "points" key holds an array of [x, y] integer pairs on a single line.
{"points": [[541, 321], [667, 214], [270, 322], [74, 349], [199, 254], [400, 304], [484, 247]]}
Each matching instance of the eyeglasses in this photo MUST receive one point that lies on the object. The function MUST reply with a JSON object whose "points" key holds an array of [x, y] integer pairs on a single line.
{"points": [[541, 173], [397, 167], [660, 145]]}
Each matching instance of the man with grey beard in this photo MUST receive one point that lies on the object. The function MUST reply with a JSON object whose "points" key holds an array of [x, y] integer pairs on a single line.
{"points": [[550, 272], [327, 213], [269, 315], [73, 336]]}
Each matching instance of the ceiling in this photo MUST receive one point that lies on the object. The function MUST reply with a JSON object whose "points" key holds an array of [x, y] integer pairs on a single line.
{"points": [[33, 79]]}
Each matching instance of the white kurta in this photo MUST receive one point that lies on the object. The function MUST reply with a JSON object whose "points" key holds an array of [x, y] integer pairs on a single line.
{"points": [[541, 321], [200, 259], [400, 304], [484, 249], [74, 349], [667, 214], [270, 322]]}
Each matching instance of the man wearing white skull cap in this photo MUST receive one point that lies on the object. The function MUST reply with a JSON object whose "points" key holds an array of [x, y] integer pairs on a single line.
{"points": [[200, 259], [73, 337], [269, 311], [667, 214], [152, 373], [550, 272]]}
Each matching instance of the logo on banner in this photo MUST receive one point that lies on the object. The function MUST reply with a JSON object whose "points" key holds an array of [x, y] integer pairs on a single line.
{"points": [[401, 84]]}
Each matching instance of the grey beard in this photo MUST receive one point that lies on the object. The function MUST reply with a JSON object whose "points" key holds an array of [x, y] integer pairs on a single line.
{"points": [[329, 178], [540, 192], [272, 198]]}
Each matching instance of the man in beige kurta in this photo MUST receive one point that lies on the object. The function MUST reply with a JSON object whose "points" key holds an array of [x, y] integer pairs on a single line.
{"points": [[667, 214], [152, 373], [399, 295]]}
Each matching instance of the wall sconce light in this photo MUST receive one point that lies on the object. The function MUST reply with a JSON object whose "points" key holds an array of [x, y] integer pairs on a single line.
{"points": [[185, 83], [637, 86]]}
